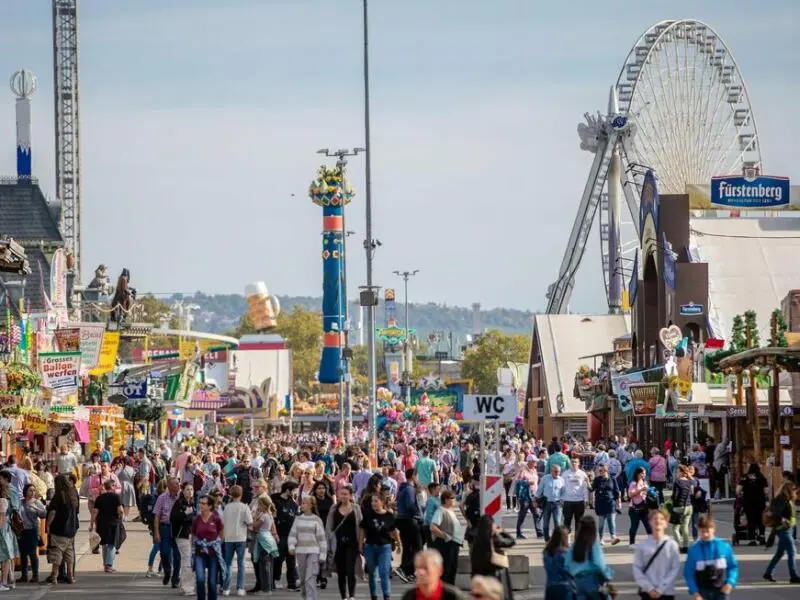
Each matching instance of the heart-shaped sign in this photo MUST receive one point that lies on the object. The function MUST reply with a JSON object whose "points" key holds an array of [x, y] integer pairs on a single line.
{"points": [[670, 336]]}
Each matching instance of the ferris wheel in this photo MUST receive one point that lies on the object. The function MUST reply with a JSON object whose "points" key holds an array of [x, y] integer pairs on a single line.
{"points": [[679, 107]]}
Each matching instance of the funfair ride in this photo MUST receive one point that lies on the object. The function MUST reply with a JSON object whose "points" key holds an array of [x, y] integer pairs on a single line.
{"points": [[679, 107]]}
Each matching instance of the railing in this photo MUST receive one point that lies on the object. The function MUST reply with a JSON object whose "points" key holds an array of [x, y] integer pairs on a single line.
{"points": [[14, 179]]}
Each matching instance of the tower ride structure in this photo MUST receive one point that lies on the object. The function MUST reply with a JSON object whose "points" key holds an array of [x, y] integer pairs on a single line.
{"points": [[67, 124], [680, 108]]}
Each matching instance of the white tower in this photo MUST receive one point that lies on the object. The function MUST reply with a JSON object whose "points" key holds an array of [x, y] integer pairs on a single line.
{"points": [[23, 84]]}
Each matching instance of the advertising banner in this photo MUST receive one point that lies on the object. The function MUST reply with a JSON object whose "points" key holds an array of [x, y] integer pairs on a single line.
{"points": [[644, 397], [108, 353], [91, 341], [68, 339], [620, 387], [60, 371], [736, 191]]}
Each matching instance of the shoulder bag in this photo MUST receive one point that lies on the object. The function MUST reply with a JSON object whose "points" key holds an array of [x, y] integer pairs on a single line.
{"points": [[642, 594]]}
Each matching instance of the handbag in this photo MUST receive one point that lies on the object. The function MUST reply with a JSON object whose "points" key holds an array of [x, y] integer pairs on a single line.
{"points": [[642, 594], [17, 524], [499, 560]]}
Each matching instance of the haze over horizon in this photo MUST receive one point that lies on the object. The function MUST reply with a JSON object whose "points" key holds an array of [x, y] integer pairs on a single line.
{"points": [[200, 125]]}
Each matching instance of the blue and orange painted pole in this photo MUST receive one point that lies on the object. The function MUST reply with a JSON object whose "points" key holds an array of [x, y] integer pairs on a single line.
{"points": [[330, 192]]}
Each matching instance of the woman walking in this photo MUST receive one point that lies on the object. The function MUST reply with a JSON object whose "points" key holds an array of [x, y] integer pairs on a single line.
{"points": [[206, 541], [237, 518], [559, 584], [32, 510], [586, 563], [375, 543], [657, 560], [181, 518], [658, 473], [309, 543], [343, 525], [488, 552], [448, 536], [106, 516], [606, 503], [265, 545], [753, 488], [637, 511], [784, 519], [126, 474], [62, 521], [682, 496], [324, 504]]}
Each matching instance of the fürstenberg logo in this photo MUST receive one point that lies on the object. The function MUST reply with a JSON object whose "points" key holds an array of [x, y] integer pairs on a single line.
{"points": [[749, 190]]}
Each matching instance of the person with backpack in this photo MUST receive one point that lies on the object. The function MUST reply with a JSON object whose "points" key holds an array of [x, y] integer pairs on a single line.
{"points": [[784, 518], [657, 561], [711, 570]]}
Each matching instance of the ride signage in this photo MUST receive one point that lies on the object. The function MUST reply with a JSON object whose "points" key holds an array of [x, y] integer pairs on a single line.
{"points": [[60, 371], [490, 408]]}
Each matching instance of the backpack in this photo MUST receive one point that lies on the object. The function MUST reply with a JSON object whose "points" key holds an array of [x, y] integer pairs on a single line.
{"points": [[472, 508], [148, 503]]}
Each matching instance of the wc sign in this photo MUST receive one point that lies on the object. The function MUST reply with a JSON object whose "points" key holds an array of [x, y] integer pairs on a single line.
{"points": [[490, 408]]}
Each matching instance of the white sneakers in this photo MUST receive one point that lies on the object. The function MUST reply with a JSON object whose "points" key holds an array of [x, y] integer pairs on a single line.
{"points": [[241, 592]]}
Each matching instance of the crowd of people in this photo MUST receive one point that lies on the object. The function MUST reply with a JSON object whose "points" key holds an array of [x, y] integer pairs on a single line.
{"points": [[303, 509]]}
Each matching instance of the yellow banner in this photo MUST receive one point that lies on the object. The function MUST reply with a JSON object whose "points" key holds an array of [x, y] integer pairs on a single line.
{"points": [[108, 353], [187, 348]]}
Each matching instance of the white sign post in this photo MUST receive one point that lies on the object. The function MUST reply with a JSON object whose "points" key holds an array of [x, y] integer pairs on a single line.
{"points": [[492, 408], [502, 409]]}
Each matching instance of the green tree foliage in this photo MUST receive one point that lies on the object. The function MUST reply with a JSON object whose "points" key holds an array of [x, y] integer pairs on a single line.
{"points": [[492, 351], [358, 364], [738, 341], [302, 330], [778, 330], [751, 329], [245, 327]]}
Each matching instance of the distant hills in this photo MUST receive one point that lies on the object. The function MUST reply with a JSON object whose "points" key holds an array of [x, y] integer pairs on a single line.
{"points": [[220, 313]]}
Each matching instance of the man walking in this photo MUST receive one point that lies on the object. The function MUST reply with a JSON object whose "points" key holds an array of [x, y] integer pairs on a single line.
{"points": [[162, 533]]}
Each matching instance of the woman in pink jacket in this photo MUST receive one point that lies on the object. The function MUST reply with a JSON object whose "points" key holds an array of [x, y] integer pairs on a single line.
{"points": [[658, 473], [96, 483]]}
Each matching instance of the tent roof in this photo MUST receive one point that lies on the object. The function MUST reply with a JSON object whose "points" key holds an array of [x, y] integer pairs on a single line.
{"points": [[751, 265], [563, 340]]}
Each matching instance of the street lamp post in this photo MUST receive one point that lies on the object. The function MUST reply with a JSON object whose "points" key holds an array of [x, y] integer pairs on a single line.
{"points": [[345, 399], [369, 292], [406, 275]]}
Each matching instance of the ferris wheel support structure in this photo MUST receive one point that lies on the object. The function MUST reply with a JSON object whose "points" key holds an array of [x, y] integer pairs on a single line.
{"points": [[680, 107]]}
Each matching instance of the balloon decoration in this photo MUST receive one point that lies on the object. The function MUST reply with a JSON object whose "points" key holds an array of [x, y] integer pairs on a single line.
{"points": [[415, 421]]}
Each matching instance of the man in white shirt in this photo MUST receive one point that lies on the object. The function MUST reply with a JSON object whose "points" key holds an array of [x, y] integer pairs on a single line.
{"points": [[576, 493]]}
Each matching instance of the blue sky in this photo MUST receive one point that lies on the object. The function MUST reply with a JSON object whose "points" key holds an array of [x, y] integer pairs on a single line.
{"points": [[201, 118]]}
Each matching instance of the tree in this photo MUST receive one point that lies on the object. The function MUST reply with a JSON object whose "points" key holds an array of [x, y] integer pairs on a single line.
{"points": [[152, 310], [302, 330], [738, 336], [751, 329], [492, 351], [778, 329], [245, 327], [358, 364]]}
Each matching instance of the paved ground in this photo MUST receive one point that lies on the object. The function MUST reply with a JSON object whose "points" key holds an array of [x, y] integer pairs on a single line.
{"points": [[129, 581]]}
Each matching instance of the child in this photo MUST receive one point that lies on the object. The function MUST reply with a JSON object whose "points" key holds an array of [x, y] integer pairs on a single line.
{"points": [[309, 542], [560, 585], [711, 570]]}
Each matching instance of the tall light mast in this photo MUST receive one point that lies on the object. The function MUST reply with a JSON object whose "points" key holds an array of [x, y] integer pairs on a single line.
{"points": [[67, 116]]}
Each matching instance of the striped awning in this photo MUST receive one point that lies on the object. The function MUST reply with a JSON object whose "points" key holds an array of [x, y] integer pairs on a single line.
{"points": [[208, 400]]}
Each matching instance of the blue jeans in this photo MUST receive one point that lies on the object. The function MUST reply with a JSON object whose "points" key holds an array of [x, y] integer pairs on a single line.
{"points": [[526, 506], [551, 510], [170, 556], [109, 551], [153, 553], [203, 563], [785, 544], [238, 548], [29, 551], [712, 594], [379, 564], [611, 520]]}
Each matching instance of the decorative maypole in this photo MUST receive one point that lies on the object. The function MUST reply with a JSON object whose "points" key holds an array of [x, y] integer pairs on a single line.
{"points": [[332, 193], [23, 85]]}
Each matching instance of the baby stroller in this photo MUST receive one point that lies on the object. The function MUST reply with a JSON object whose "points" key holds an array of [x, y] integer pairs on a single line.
{"points": [[740, 530]]}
